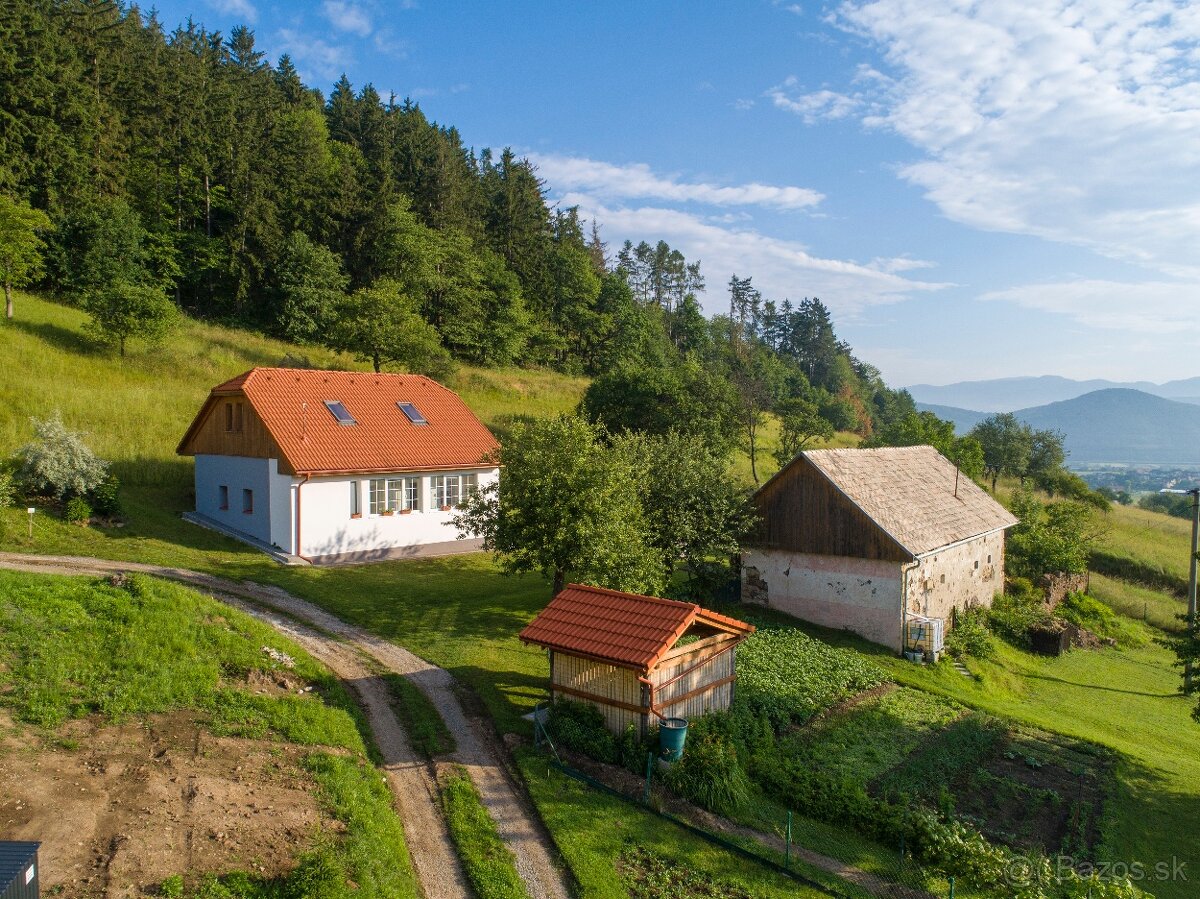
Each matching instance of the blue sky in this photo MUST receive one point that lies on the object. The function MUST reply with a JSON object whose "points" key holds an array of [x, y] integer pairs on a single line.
{"points": [[976, 190]]}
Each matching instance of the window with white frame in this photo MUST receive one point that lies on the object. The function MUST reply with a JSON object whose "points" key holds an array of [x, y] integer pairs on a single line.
{"points": [[447, 490], [412, 494], [470, 486], [394, 495]]}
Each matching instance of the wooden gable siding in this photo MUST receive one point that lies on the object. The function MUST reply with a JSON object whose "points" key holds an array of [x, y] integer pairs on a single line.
{"points": [[211, 437], [695, 679], [801, 511]]}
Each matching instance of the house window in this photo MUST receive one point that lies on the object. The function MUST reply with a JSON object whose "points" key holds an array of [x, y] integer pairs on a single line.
{"points": [[412, 494], [412, 413], [447, 490], [223, 497], [395, 494], [248, 501], [233, 416], [339, 411], [989, 560], [355, 499], [470, 486]]}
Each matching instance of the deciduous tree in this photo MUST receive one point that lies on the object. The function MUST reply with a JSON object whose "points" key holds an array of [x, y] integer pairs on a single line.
{"points": [[570, 510], [20, 246]]}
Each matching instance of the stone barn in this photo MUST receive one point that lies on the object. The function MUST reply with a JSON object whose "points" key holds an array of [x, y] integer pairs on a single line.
{"points": [[637, 658], [863, 539]]}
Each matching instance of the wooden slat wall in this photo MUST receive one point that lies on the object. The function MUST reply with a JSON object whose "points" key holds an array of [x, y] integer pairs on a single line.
{"points": [[599, 679], [802, 512], [715, 669], [253, 440]]}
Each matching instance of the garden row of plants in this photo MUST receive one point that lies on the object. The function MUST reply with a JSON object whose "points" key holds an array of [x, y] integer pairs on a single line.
{"points": [[785, 678]]}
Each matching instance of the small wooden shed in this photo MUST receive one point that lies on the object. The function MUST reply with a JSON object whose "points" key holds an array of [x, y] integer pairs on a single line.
{"points": [[637, 658]]}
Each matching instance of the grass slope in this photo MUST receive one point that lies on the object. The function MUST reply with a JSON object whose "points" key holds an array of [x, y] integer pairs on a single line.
{"points": [[72, 647]]}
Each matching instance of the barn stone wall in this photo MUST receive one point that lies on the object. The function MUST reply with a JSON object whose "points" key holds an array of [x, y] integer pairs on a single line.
{"points": [[861, 595], [969, 574]]}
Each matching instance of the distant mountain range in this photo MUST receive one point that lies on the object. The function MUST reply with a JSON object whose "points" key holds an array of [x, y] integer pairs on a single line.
{"points": [[1108, 425], [1010, 394]]}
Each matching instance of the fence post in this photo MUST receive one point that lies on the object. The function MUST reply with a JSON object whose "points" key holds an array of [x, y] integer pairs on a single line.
{"points": [[787, 852], [951, 887], [649, 770]]}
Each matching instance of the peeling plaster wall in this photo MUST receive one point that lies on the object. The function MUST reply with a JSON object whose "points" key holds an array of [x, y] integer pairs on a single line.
{"points": [[861, 595], [967, 575]]}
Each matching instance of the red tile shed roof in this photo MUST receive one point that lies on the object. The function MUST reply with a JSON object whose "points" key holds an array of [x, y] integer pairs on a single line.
{"points": [[624, 629], [382, 438]]}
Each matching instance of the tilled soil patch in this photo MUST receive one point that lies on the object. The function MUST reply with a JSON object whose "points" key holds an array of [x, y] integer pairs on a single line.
{"points": [[119, 808]]}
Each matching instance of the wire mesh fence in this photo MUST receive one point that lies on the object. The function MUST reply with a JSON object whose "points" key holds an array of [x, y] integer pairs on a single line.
{"points": [[889, 875]]}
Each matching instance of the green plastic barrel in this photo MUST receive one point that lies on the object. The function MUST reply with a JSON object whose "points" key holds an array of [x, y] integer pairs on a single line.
{"points": [[672, 733]]}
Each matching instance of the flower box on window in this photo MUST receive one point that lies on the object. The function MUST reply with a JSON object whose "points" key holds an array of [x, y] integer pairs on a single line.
{"points": [[406, 511], [356, 514], [386, 512], [445, 508]]}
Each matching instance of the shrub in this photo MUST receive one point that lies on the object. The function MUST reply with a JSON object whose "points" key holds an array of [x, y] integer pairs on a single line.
{"points": [[1087, 612], [1017, 610], [78, 511], [8, 489], [970, 635], [58, 463], [710, 775], [580, 727], [105, 498]]}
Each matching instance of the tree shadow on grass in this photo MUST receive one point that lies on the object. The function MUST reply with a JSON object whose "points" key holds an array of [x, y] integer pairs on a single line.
{"points": [[59, 337]]}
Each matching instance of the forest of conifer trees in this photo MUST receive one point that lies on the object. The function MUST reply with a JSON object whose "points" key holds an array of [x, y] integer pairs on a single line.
{"points": [[180, 159]]}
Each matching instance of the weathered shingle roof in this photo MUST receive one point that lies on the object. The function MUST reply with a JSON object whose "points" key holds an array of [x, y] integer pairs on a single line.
{"points": [[914, 493], [625, 629], [291, 404]]}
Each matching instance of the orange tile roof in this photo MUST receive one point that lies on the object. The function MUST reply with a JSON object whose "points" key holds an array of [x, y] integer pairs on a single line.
{"points": [[291, 404], [625, 629]]}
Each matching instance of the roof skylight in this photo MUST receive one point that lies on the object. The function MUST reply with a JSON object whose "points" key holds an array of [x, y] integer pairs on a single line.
{"points": [[413, 415], [339, 411]]}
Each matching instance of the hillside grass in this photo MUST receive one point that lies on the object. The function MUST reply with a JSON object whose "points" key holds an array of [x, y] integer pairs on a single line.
{"points": [[463, 614], [72, 647]]}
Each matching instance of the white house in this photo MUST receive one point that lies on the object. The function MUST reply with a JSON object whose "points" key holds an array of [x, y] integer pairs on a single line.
{"points": [[863, 539], [334, 466]]}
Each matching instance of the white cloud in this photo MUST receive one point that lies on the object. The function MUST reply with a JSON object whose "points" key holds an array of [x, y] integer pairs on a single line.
{"points": [[241, 8], [813, 106], [315, 59], [637, 181], [1145, 308], [1075, 122], [346, 16], [780, 268]]}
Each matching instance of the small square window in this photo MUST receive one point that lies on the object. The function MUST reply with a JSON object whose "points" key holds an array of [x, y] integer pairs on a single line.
{"points": [[412, 413], [339, 411], [223, 497], [248, 501]]}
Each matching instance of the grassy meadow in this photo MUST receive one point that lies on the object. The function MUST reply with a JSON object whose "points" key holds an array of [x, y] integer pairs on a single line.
{"points": [[463, 614]]}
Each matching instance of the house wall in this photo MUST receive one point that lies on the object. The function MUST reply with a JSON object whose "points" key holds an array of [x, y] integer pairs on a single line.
{"points": [[862, 595], [969, 574], [270, 521], [328, 530], [251, 439]]}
